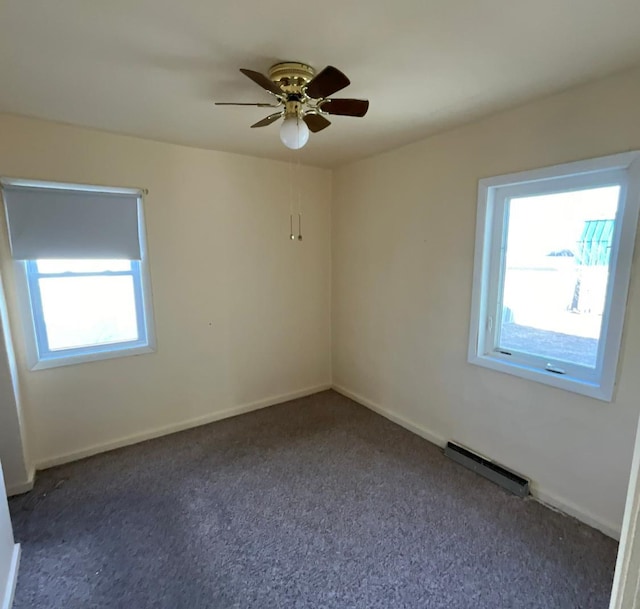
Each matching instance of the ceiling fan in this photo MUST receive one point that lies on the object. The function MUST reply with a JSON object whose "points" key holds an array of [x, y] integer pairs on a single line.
{"points": [[303, 99]]}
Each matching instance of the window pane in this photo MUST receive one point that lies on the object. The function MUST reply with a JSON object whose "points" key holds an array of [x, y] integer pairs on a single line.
{"points": [[82, 266], [85, 311], [556, 273]]}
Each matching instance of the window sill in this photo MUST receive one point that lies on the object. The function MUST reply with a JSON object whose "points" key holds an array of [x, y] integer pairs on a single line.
{"points": [[71, 360], [568, 383]]}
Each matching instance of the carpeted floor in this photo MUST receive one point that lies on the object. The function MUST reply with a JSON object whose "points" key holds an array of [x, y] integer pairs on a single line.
{"points": [[316, 504]]}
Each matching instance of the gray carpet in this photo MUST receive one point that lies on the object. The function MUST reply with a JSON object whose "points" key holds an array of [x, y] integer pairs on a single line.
{"points": [[317, 503]]}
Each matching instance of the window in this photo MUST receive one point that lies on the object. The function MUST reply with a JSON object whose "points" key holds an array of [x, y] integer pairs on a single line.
{"points": [[81, 270], [86, 306], [552, 266]]}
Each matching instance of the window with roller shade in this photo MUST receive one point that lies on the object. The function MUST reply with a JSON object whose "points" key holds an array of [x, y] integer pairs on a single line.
{"points": [[81, 264]]}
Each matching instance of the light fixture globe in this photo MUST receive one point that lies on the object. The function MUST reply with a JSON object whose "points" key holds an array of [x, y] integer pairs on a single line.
{"points": [[294, 132]]}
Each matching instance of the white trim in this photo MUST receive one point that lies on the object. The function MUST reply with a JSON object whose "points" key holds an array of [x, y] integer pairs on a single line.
{"points": [[626, 581], [48, 185], [491, 193], [145, 278], [539, 375], [22, 487], [25, 314], [621, 160], [175, 427], [72, 360], [419, 430], [12, 579], [568, 508], [548, 499]]}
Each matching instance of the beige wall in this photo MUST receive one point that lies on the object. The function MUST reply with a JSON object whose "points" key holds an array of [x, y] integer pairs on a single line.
{"points": [[17, 467], [403, 239], [242, 313]]}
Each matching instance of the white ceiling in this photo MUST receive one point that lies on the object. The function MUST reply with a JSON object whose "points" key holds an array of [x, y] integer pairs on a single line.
{"points": [[153, 67]]}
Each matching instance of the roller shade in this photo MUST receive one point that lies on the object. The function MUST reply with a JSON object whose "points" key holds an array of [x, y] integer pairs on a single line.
{"points": [[59, 223]]}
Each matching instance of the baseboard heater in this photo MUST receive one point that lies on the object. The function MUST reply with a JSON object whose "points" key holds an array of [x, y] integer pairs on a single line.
{"points": [[496, 473]]}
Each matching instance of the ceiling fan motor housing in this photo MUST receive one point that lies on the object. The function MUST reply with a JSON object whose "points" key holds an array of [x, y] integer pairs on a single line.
{"points": [[291, 76]]}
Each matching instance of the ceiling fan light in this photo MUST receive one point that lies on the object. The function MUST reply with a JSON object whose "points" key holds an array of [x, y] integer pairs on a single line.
{"points": [[294, 132]]}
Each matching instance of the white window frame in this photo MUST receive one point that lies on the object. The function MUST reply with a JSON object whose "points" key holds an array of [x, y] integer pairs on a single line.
{"points": [[67, 357], [493, 193]]}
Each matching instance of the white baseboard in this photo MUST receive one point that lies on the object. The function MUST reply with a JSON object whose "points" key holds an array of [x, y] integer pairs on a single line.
{"points": [[12, 579], [175, 427], [568, 508], [22, 487], [545, 497], [419, 430]]}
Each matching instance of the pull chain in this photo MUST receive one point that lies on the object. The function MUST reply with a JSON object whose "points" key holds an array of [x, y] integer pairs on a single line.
{"points": [[291, 234], [298, 180], [299, 204]]}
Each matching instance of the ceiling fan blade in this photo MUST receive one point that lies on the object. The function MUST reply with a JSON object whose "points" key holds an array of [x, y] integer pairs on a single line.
{"points": [[263, 81], [345, 107], [245, 104], [327, 82], [268, 120], [316, 122]]}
